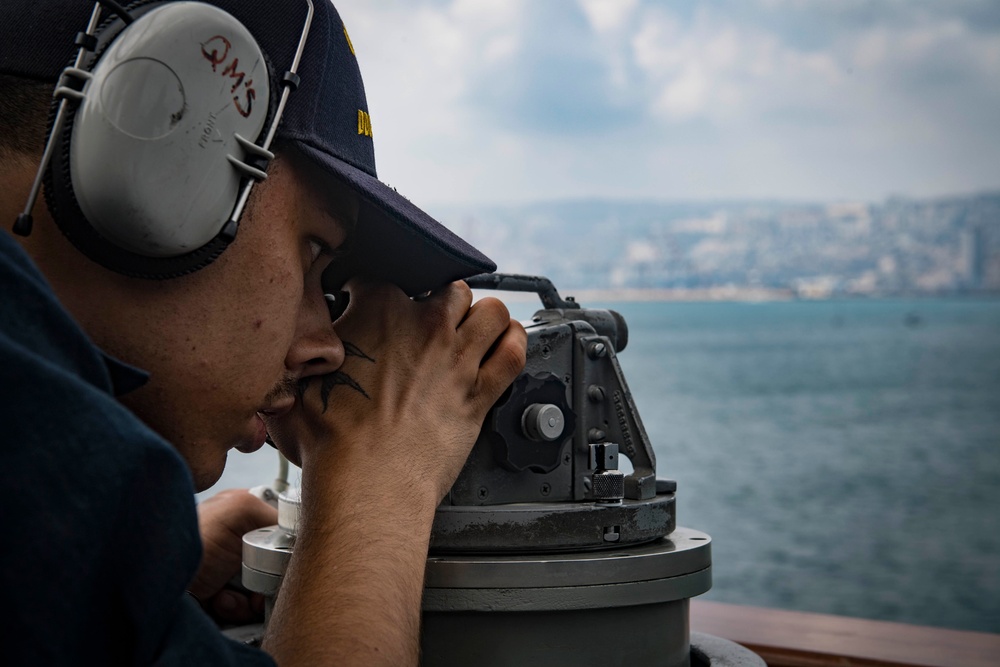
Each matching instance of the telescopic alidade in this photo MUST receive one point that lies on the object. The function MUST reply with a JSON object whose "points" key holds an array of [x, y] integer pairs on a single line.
{"points": [[546, 552]]}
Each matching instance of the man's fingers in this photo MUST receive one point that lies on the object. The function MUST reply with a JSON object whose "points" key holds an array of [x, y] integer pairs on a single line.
{"points": [[240, 511], [486, 321], [258, 513], [454, 300], [229, 606], [503, 364], [499, 345]]}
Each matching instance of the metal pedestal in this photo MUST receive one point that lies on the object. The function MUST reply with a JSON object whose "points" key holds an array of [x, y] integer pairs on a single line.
{"points": [[618, 607], [594, 608]]}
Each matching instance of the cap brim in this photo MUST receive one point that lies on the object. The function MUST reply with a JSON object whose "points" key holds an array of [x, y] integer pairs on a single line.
{"points": [[394, 240]]}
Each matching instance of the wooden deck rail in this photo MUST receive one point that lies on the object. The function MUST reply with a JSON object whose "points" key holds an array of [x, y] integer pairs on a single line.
{"points": [[799, 639]]}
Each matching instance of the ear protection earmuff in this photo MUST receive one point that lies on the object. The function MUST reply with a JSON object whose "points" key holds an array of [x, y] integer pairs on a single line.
{"points": [[159, 137]]}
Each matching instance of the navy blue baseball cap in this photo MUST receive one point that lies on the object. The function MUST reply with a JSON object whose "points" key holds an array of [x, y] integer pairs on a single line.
{"points": [[326, 119]]}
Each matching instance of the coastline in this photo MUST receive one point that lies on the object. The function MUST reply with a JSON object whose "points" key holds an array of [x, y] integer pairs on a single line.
{"points": [[730, 293], [723, 293]]}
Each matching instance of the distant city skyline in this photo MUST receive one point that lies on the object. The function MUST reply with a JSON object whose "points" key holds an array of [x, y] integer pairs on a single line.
{"points": [[511, 101], [748, 250]]}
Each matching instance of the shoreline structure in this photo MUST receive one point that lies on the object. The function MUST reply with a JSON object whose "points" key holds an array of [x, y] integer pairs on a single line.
{"points": [[729, 293]]}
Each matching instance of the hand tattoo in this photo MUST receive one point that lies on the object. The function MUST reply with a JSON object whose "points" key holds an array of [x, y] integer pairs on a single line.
{"points": [[338, 377], [352, 350], [328, 382]]}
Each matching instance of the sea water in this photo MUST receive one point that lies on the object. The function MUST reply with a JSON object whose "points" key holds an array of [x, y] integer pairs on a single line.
{"points": [[844, 456]]}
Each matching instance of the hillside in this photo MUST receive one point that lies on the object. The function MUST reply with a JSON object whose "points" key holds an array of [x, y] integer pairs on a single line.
{"points": [[899, 246]]}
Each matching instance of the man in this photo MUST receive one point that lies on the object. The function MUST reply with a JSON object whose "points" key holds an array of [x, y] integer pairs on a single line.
{"points": [[380, 410]]}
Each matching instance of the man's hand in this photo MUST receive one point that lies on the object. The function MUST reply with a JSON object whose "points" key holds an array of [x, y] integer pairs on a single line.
{"points": [[223, 519], [380, 442], [410, 399]]}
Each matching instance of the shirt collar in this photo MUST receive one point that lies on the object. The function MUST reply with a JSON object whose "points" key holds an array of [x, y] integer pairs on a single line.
{"points": [[124, 377]]}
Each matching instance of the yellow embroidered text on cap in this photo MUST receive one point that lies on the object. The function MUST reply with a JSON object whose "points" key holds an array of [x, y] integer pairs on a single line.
{"points": [[364, 123]]}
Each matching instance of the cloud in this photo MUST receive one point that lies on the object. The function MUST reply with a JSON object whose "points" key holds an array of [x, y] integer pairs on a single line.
{"points": [[714, 69], [511, 100], [608, 15]]}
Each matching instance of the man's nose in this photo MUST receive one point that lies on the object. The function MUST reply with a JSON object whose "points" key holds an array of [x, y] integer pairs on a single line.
{"points": [[316, 350]]}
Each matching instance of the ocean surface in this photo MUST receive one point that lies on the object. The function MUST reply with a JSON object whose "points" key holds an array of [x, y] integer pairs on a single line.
{"points": [[844, 456]]}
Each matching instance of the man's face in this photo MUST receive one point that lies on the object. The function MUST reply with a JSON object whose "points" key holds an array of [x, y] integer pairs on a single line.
{"points": [[231, 340]]}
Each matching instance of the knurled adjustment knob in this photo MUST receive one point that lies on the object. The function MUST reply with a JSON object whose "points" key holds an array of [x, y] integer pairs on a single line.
{"points": [[608, 486]]}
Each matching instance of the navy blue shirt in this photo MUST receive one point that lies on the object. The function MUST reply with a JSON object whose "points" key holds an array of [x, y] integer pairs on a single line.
{"points": [[100, 530]]}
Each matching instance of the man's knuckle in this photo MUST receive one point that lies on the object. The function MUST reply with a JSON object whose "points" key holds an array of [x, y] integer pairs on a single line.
{"points": [[495, 308], [512, 359], [436, 320], [519, 359], [501, 318]]}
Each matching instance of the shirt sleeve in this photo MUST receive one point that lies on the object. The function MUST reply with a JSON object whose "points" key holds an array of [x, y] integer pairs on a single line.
{"points": [[192, 639], [101, 534]]}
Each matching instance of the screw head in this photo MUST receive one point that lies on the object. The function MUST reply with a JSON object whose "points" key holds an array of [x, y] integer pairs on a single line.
{"points": [[483, 493], [546, 489], [596, 350]]}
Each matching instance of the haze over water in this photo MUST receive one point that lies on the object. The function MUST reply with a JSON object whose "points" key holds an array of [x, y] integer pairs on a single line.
{"points": [[844, 456]]}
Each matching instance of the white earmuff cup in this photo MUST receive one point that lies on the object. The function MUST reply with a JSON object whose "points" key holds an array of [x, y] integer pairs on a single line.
{"points": [[149, 146], [144, 99]]}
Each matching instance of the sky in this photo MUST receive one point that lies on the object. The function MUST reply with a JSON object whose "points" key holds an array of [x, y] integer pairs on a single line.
{"points": [[515, 101]]}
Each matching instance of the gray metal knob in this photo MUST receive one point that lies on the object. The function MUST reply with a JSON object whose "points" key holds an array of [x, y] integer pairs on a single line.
{"points": [[543, 421]]}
